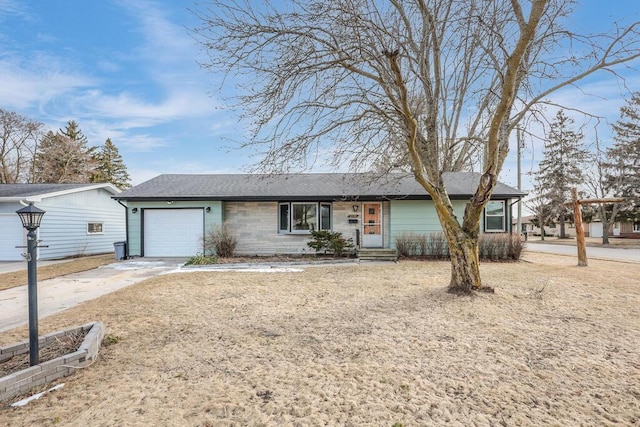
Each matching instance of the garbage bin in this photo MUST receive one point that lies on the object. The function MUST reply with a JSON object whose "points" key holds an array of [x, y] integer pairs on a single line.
{"points": [[121, 250]]}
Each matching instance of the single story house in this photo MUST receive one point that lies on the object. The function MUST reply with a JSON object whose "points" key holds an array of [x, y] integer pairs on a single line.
{"points": [[629, 229], [80, 219], [274, 214]]}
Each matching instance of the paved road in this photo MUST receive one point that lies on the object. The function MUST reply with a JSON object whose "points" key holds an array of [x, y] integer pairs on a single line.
{"points": [[618, 254], [60, 293]]}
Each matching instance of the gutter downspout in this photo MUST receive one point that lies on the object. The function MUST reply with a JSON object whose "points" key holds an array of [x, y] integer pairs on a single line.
{"points": [[126, 228]]}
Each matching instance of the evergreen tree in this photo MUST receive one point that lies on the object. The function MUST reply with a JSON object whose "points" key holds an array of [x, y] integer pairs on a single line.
{"points": [[110, 167], [623, 159], [64, 157], [561, 166]]}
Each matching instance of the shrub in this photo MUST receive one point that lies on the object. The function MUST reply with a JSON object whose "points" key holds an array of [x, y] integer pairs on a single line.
{"points": [[327, 242], [437, 246], [494, 247], [406, 244], [516, 247], [202, 260], [220, 241]]}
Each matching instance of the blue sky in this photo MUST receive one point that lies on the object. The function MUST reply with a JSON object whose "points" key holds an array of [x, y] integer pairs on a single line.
{"points": [[128, 70]]}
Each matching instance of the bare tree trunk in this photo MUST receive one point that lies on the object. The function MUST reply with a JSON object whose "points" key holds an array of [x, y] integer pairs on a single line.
{"points": [[465, 263], [463, 248], [605, 231], [563, 234]]}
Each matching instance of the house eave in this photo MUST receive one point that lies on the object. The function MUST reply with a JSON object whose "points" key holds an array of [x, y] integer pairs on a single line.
{"points": [[300, 198]]}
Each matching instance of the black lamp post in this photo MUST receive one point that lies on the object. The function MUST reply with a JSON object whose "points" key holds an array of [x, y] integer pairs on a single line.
{"points": [[31, 217]]}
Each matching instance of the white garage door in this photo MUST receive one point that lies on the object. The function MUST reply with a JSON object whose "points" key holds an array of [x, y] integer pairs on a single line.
{"points": [[11, 235], [595, 229], [173, 232]]}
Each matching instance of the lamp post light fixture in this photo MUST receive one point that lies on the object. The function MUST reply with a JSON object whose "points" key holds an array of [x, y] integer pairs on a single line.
{"points": [[31, 217]]}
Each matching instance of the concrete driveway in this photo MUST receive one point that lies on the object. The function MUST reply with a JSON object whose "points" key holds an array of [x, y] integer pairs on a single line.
{"points": [[60, 293]]}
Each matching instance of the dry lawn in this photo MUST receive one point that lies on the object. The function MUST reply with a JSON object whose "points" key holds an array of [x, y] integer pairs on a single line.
{"points": [[380, 345], [19, 278]]}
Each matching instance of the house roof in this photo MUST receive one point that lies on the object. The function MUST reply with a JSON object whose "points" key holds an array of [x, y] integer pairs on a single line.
{"points": [[37, 192], [312, 186]]}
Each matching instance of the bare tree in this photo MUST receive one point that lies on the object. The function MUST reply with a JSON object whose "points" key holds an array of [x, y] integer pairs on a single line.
{"points": [[63, 157], [449, 78], [18, 140], [601, 181]]}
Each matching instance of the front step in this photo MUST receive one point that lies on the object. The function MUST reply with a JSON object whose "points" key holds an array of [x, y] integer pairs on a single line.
{"points": [[384, 254]]}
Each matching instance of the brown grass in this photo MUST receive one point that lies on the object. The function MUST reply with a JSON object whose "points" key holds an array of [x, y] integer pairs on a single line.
{"points": [[19, 278], [357, 345]]}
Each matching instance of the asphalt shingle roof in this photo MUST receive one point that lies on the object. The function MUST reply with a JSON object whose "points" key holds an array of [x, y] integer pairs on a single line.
{"points": [[30, 190], [322, 186]]}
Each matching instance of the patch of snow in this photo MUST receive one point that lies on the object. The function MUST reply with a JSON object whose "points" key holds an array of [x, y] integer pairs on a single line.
{"points": [[238, 269], [36, 396], [134, 265]]}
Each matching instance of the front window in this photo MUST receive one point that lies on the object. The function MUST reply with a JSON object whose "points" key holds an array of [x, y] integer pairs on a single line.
{"points": [[636, 227], [303, 217], [494, 216]]}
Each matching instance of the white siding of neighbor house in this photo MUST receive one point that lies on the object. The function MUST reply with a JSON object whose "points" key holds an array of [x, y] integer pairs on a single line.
{"points": [[64, 225], [12, 233], [135, 237]]}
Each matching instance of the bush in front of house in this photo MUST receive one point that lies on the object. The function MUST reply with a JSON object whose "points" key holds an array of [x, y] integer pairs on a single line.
{"points": [[491, 247], [326, 242], [202, 260], [221, 241]]}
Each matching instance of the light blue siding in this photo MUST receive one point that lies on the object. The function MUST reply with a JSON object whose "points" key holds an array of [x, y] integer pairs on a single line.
{"points": [[417, 217], [64, 225], [134, 239]]}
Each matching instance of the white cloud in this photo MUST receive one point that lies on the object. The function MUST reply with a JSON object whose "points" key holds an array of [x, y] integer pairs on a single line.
{"points": [[13, 8], [36, 81]]}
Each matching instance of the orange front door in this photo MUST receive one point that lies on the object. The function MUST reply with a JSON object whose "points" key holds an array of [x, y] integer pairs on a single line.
{"points": [[372, 225]]}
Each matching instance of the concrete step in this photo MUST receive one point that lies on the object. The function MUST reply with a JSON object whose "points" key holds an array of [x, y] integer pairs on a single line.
{"points": [[377, 255]]}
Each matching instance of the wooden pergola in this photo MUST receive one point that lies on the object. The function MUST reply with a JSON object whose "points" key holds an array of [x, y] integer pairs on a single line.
{"points": [[577, 214]]}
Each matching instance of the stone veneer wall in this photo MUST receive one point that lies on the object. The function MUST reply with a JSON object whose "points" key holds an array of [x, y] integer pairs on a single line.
{"points": [[34, 376], [255, 225]]}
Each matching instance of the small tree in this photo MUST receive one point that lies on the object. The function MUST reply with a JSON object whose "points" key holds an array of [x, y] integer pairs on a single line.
{"points": [[541, 207]]}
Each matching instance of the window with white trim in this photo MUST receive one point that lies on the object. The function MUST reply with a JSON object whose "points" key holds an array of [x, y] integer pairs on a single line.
{"points": [[94, 228], [494, 216], [303, 217], [636, 227]]}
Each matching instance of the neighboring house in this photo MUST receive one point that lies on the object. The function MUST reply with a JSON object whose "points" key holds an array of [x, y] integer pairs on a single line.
{"points": [[274, 214], [629, 229], [80, 219], [526, 225]]}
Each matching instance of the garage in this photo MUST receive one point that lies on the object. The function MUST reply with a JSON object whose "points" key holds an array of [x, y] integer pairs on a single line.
{"points": [[173, 232], [595, 229], [12, 234]]}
